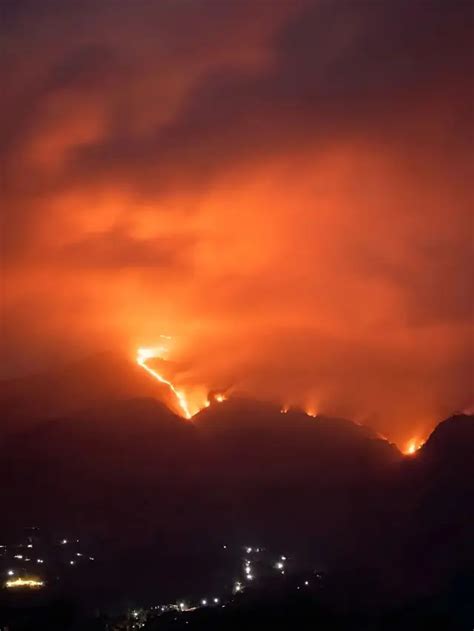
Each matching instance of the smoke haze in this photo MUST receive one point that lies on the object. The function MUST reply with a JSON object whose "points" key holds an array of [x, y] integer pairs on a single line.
{"points": [[285, 187]]}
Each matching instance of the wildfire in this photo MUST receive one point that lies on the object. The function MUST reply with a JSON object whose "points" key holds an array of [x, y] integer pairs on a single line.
{"points": [[413, 446], [24, 582], [190, 402], [190, 407], [143, 354]]}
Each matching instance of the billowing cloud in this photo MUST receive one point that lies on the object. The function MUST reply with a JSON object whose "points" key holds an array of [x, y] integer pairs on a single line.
{"points": [[285, 186]]}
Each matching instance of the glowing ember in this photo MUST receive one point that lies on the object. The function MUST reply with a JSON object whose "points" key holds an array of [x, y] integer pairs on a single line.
{"points": [[31, 583], [220, 398], [143, 354]]}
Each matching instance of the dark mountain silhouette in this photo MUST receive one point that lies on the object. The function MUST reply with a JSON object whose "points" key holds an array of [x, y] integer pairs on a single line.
{"points": [[436, 490], [102, 378], [90, 450], [453, 437]]}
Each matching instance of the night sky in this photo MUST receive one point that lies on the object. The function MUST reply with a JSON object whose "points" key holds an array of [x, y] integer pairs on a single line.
{"points": [[283, 186]]}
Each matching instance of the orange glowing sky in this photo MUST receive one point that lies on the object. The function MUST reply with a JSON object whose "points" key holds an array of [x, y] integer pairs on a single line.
{"points": [[284, 187]]}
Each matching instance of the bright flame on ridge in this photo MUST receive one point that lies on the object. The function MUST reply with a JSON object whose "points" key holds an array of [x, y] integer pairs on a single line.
{"points": [[143, 354], [412, 446]]}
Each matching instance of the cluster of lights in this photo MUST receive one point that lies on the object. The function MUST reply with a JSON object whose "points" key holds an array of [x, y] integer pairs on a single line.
{"points": [[237, 587], [20, 557], [280, 564], [184, 607], [24, 582], [249, 574], [17, 577], [64, 542], [248, 569]]}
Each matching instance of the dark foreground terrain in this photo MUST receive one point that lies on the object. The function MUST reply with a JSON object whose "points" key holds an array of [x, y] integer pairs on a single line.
{"points": [[159, 503]]}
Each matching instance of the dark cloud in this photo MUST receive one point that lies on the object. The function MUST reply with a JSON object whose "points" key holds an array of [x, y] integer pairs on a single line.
{"points": [[88, 68], [334, 72]]}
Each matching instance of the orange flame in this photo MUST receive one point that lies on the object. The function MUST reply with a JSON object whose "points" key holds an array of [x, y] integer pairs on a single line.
{"points": [[148, 353], [412, 446]]}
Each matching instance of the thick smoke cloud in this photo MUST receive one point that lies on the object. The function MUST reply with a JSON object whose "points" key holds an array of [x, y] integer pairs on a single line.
{"points": [[285, 186]]}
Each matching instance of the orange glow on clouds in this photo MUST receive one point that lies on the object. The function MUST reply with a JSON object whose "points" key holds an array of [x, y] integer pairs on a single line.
{"points": [[304, 228]]}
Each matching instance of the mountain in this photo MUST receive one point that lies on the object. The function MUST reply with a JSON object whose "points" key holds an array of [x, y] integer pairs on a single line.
{"points": [[452, 438], [436, 490], [94, 381], [89, 448]]}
